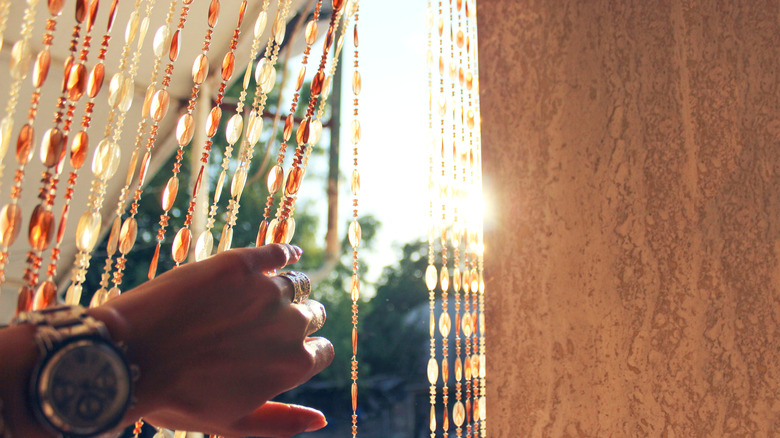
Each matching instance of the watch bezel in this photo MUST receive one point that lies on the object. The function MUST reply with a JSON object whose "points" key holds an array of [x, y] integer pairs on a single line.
{"points": [[41, 400]]}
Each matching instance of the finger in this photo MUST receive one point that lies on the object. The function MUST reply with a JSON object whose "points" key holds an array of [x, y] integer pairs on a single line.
{"points": [[321, 351], [314, 312], [271, 257], [298, 286], [280, 420]]}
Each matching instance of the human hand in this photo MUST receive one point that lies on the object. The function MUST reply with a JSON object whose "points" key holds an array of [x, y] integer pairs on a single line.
{"points": [[216, 339]]}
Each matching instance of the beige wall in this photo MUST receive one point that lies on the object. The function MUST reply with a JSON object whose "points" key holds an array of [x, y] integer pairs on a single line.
{"points": [[632, 155]]}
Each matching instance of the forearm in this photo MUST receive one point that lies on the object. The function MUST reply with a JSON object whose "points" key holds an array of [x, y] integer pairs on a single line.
{"points": [[18, 354]]}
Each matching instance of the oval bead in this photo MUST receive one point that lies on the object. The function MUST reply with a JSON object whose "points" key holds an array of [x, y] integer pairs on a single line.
{"points": [[159, 106], [213, 13], [226, 239], [302, 136], [356, 131], [203, 246], [24, 144], [77, 81], [260, 23], [275, 178], [311, 32], [147, 159], [131, 30], [294, 179], [445, 324], [354, 289], [105, 161], [143, 29], [433, 371], [148, 99], [6, 129], [212, 122], [326, 87], [20, 59], [290, 229], [185, 129], [301, 77], [235, 126], [55, 6], [355, 234], [444, 278], [10, 224], [41, 68], [317, 82], [113, 236], [181, 245], [161, 41], [357, 83], [200, 69], [41, 228], [265, 75], [45, 296], [110, 295], [169, 193], [315, 131], [78, 149], [88, 230], [115, 86], [96, 78], [279, 231], [254, 128], [52, 147], [218, 186], [355, 182], [431, 277], [288, 127], [173, 50], [98, 298], [73, 295], [127, 235], [239, 181], [458, 414], [278, 29], [228, 65], [262, 231], [466, 324]]}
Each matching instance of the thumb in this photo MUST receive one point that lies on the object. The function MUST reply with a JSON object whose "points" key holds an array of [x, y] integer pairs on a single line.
{"points": [[280, 420]]}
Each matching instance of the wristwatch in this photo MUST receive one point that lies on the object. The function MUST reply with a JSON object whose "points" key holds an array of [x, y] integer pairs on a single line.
{"points": [[82, 384]]}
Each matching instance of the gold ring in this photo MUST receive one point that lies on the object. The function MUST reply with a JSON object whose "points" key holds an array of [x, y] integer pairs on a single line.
{"points": [[301, 285]]}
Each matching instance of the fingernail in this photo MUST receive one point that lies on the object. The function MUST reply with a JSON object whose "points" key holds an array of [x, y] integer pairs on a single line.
{"points": [[298, 250], [317, 424]]}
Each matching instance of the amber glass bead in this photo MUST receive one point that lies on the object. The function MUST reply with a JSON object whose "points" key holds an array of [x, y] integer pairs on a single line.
{"points": [[262, 231], [45, 296], [88, 230], [24, 300], [41, 68], [355, 182], [213, 13], [356, 131], [311, 32], [185, 129], [173, 51], [357, 83], [302, 136], [279, 28], [159, 106], [317, 82], [354, 289], [444, 278], [294, 179], [142, 172], [265, 75], [41, 228], [315, 131], [127, 235], [200, 69], [212, 122], [10, 224], [170, 192], [20, 59], [226, 239], [355, 233], [77, 81], [95, 80], [24, 144], [239, 181], [235, 126], [106, 159], [78, 149], [433, 371], [288, 127], [445, 324], [181, 245], [431, 277], [228, 65], [6, 130], [277, 231], [204, 246], [52, 147]]}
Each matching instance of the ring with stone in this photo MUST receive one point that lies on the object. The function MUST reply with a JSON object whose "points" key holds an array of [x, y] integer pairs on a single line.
{"points": [[301, 285]]}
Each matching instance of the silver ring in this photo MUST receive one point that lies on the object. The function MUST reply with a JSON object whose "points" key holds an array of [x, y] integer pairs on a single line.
{"points": [[301, 285]]}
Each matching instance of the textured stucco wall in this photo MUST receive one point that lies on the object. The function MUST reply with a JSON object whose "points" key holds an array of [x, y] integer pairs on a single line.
{"points": [[632, 155]]}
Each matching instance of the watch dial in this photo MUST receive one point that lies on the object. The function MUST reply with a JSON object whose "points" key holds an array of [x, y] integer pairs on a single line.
{"points": [[84, 387]]}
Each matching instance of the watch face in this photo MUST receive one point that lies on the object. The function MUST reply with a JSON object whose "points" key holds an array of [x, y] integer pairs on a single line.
{"points": [[84, 388]]}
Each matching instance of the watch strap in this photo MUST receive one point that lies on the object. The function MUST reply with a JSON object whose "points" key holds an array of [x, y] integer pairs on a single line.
{"points": [[58, 323]]}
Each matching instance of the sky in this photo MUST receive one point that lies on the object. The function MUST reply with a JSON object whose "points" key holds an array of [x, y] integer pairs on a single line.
{"points": [[392, 157]]}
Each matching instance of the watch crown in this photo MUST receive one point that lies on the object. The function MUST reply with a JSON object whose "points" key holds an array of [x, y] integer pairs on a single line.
{"points": [[135, 372]]}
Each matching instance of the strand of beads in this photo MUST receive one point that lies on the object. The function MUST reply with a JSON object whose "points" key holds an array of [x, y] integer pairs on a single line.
{"points": [[205, 242], [431, 276], [354, 235], [276, 173], [52, 152], [106, 156], [5, 8], [45, 295], [282, 229], [156, 105], [184, 132], [11, 214], [265, 76], [19, 67], [181, 243]]}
